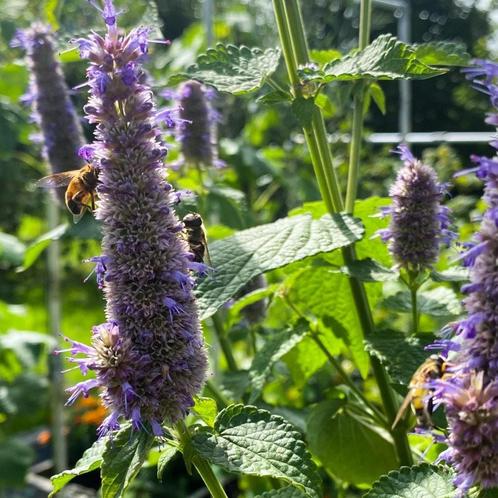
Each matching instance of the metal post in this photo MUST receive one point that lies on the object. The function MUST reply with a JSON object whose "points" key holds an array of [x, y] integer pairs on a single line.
{"points": [[54, 323], [207, 18]]}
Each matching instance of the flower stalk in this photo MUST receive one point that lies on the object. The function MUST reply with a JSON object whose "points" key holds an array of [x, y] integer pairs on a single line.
{"points": [[293, 40]]}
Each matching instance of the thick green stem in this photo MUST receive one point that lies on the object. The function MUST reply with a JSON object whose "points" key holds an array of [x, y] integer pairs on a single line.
{"points": [[358, 104], [213, 390], [291, 31], [205, 471], [413, 294], [226, 347]]}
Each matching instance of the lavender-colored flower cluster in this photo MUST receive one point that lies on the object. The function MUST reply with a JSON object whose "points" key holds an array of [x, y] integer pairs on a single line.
{"points": [[419, 223], [149, 356], [49, 96], [470, 395]]}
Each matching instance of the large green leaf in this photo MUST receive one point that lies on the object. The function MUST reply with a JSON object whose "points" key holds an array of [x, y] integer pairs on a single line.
{"points": [[419, 481], [386, 58], [326, 294], [442, 53], [236, 70], [441, 301], [274, 349], [255, 442], [166, 456], [91, 460], [350, 447], [248, 253], [401, 355], [285, 492], [122, 459]]}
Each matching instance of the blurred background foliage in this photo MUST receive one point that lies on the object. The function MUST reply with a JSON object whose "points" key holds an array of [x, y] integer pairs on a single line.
{"points": [[268, 173]]}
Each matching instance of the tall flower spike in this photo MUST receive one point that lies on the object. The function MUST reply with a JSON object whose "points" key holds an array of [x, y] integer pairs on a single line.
{"points": [[419, 223], [48, 93], [149, 356], [470, 396], [197, 125]]}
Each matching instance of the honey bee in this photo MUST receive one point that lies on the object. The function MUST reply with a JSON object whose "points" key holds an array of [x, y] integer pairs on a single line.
{"points": [[80, 192], [419, 394], [195, 235]]}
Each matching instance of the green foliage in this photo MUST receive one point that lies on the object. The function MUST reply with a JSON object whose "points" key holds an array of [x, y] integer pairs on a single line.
{"points": [[386, 58], [166, 456], [274, 349], [241, 257], [255, 442], [442, 53], [419, 481], [122, 459], [401, 355], [11, 251], [91, 460], [348, 444], [15, 459], [285, 492], [231, 69], [205, 409]]}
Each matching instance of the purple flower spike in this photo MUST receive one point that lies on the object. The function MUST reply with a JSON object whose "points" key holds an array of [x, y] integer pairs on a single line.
{"points": [[148, 368], [470, 396], [197, 125], [419, 223], [53, 111]]}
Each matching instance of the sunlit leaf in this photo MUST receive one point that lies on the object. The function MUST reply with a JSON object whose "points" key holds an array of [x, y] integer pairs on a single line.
{"points": [[11, 251], [205, 409], [236, 70], [442, 53], [251, 441]]}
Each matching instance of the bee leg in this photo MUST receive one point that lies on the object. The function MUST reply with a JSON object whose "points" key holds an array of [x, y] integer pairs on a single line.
{"points": [[92, 201]]}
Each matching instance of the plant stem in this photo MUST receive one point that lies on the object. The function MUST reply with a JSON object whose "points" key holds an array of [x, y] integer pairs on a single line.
{"points": [[293, 40], [205, 471], [226, 347], [358, 103], [213, 390], [413, 293]]}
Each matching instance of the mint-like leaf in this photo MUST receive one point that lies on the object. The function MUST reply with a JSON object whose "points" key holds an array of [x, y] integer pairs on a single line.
{"points": [[231, 69], [251, 441], [248, 253]]}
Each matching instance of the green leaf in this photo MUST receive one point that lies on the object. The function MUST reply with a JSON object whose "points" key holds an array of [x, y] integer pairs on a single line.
{"points": [[442, 53], [231, 69], [15, 458], [386, 58], [441, 301], [326, 294], [303, 110], [286, 492], [251, 441], [34, 250], [349, 446], [453, 274], [206, 409], [401, 355], [122, 459], [274, 349], [11, 251], [368, 270], [274, 97], [91, 460], [248, 253], [166, 457], [378, 96], [323, 56], [419, 481]]}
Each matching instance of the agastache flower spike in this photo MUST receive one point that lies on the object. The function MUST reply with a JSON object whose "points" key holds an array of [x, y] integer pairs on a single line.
{"points": [[197, 125], [419, 223], [149, 356], [470, 396], [49, 96]]}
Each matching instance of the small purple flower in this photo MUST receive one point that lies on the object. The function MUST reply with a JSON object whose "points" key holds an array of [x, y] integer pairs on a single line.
{"points": [[149, 357], [49, 96], [419, 223]]}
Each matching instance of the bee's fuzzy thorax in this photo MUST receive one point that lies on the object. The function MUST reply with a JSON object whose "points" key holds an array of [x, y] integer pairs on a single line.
{"points": [[149, 356]]}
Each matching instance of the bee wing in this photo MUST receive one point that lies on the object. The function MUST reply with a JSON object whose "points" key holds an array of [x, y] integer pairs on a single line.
{"points": [[58, 180], [402, 409], [77, 217]]}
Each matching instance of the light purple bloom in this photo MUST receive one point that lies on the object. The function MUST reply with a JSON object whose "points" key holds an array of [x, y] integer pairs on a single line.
{"points": [[149, 356], [419, 223], [49, 96]]}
